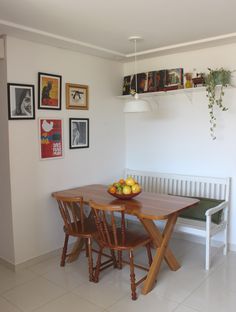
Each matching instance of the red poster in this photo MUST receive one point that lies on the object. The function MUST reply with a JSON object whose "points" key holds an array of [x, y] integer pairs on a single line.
{"points": [[51, 138]]}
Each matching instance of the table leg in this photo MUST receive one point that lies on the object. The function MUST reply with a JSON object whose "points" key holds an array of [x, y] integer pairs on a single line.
{"points": [[78, 246], [162, 251], [157, 237]]}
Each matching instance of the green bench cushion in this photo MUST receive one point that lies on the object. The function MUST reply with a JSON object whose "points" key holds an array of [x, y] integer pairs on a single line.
{"points": [[198, 211]]}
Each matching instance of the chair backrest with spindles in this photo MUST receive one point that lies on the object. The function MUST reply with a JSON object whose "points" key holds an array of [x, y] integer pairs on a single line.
{"points": [[72, 213], [110, 234]]}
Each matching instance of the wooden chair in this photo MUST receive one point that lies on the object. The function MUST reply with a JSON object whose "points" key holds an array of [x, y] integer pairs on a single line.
{"points": [[76, 224], [118, 238]]}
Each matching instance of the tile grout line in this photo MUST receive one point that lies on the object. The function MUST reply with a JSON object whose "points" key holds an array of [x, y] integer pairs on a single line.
{"points": [[179, 305], [41, 275], [199, 285], [80, 296], [22, 284], [203, 281], [54, 299], [18, 285], [13, 304]]}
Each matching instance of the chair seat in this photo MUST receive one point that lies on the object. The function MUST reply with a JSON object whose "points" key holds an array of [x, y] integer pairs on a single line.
{"points": [[89, 229], [133, 239]]}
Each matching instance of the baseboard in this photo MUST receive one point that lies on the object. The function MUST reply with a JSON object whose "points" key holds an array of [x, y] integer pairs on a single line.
{"points": [[196, 239], [33, 261], [136, 223], [232, 247], [7, 264], [188, 237]]}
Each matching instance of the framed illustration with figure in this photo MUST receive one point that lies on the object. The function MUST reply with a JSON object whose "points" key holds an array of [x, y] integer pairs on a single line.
{"points": [[21, 103], [49, 91], [79, 133], [76, 96], [51, 138]]}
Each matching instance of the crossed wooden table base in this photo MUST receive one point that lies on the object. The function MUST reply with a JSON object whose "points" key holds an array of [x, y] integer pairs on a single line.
{"points": [[147, 207]]}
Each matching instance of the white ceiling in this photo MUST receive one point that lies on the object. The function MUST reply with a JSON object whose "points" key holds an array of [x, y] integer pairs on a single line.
{"points": [[101, 27]]}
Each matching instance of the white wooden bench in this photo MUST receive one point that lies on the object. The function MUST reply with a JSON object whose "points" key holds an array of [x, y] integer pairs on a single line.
{"points": [[194, 186]]}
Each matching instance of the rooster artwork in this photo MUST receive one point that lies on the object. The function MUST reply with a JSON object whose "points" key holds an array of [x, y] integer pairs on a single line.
{"points": [[51, 138]]}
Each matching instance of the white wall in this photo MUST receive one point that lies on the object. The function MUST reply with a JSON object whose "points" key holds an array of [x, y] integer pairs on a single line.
{"points": [[36, 222], [6, 234], [175, 138]]}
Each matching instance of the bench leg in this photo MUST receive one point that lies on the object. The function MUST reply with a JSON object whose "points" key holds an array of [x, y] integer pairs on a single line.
{"points": [[226, 231], [225, 241], [208, 243]]}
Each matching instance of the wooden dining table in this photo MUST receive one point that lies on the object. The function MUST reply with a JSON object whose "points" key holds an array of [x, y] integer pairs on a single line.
{"points": [[147, 207]]}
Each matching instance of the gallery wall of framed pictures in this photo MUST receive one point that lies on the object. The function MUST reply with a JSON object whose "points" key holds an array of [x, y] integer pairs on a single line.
{"points": [[21, 106]]}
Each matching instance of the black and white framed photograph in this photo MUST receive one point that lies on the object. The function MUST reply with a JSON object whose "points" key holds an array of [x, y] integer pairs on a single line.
{"points": [[79, 133], [21, 103]]}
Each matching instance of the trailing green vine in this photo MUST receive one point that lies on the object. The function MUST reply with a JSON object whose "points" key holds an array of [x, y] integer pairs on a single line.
{"points": [[218, 77]]}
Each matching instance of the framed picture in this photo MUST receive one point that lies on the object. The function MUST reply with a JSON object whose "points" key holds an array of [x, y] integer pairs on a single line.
{"points": [[76, 96], [49, 91], [21, 104], [79, 133], [126, 85], [51, 138], [174, 79]]}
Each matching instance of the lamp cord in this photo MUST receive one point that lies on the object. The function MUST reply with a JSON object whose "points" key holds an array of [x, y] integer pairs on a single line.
{"points": [[135, 65]]}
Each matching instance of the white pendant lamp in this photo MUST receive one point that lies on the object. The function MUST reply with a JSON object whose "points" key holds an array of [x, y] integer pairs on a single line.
{"points": [[136, 105]]}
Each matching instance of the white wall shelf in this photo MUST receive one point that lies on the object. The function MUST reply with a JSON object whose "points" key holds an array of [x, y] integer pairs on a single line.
{"points": [[186, 91], [164, 93]]}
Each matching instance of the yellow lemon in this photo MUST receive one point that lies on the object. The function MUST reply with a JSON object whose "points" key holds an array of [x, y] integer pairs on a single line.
{"points": [[126, 190], [136, 188], [129, 181]]}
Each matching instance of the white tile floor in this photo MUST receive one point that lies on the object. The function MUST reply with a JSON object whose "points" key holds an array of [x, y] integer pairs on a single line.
{"points": [[46, 287]]}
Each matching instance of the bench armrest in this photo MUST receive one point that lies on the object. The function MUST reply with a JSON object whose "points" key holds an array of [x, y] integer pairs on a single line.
{"points": [[213, 210]]}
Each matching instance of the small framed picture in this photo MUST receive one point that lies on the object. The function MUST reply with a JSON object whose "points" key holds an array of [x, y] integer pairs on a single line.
{"points": [[174, 79], [76, 96], [21, 104], [79, 133], [51, 138], [49, 91]]}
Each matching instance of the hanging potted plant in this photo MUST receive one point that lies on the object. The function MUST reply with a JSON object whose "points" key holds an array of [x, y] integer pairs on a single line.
{"points": [[216, 78]]}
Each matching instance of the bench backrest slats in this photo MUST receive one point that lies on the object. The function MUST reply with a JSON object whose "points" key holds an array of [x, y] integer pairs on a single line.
{"points": [[185, 185]]}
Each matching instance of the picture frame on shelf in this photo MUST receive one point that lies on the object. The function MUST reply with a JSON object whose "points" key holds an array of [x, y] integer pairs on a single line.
{"points": [[51, 138], [21, 101], [77, 96], [142, 83], [126, 85], [174, 79], [79, 133], [49, 91]]}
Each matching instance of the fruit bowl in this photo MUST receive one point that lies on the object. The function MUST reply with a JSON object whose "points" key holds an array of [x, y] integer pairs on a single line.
{"points": [[123, 196], [125, 189]]}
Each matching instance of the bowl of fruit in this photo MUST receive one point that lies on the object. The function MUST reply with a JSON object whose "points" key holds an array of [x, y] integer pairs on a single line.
{"points": [[125, 189]]}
